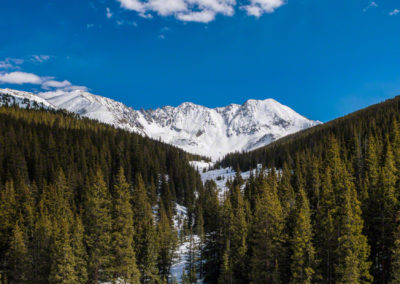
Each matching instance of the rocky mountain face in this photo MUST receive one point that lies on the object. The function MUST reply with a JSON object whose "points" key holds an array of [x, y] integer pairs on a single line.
{"points": [[211, 132]]}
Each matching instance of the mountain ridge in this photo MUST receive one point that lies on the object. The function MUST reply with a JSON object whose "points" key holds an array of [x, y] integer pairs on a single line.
{"points": [[212, 132]]}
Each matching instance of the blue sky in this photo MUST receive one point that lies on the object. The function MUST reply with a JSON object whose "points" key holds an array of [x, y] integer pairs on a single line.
{"points": [[322, 58]]}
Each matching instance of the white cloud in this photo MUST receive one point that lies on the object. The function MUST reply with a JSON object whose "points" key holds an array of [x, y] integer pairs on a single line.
{"points": [[62, 85], [109, 14], [20, 78], [204, 16], [202, 11], [40, 58], [9, 63], [46, 82], [371, 5], [394, 12], [257, 8], [55, 84], [73, 88]]}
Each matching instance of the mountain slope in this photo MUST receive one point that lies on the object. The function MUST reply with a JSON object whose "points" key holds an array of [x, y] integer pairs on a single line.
{"points": [[212, 132]]}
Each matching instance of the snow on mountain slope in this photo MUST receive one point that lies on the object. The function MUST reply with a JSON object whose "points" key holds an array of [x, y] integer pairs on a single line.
{"points": [[211, 132], [23, 99]]}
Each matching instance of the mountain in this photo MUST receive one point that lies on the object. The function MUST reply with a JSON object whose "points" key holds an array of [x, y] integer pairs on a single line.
{"points": [[212, 132]]}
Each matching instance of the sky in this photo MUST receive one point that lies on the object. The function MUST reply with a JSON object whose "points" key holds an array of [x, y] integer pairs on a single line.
{"points": [[323, 58]]}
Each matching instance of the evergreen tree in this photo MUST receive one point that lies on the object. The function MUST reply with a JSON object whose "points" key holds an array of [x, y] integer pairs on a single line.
{"points": [[18, 257], [395, 258], [145, 235], [79, 250], [62, 256], [353, 250], [266, 237], [97, 216], [167, 241], [8, 215], [123, 265], [302, 258], [325, 230]]}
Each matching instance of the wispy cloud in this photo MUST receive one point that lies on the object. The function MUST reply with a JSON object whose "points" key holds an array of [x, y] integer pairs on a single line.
{"points": [[109, 14], [201, 11], [127, 23], [372, 4], [40, 58], [11, 63], [394, 12], [56, 84]]}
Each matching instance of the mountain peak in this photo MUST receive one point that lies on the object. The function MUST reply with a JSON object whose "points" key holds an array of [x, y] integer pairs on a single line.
{"points": [[212, 132]]}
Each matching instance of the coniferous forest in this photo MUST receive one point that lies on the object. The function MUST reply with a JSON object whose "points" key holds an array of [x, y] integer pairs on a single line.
{"points": [[82, 202], [79, 200]]}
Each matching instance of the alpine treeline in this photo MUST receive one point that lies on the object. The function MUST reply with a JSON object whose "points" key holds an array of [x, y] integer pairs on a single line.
{"points": [[323, 209], [83, 202]]}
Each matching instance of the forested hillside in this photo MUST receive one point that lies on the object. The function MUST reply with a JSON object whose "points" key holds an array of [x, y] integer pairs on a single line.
{"points": [[84, 202], [326, 211]]}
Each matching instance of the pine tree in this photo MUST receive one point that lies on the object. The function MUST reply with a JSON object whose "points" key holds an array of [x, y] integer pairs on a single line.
{"points": [[62, 256], [353, 251], [226, 274], [382, 209], [97, 216], [325, 230], [18, 257], [41, 249], [395, 257], [123, 266], [167, 241], [302, 258], [238, 235], [145, 234], [79, 250], [285, 191], [8, 215], [266, 237]]}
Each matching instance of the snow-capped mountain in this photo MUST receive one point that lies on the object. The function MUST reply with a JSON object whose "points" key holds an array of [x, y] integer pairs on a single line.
{"points": [[211, 132]]}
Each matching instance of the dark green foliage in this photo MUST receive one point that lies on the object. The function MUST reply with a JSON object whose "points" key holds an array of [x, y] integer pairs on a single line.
{"points": [[123, 262], [71, 210], [344, 228]]}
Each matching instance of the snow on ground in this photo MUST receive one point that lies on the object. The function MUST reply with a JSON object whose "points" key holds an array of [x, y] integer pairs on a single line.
{"points": [[181, 258], [221, 175], [201, 165], [180, 217]]}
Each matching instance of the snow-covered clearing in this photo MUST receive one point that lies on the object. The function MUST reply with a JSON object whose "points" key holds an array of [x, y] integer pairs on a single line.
{"points": [[220, 176]]}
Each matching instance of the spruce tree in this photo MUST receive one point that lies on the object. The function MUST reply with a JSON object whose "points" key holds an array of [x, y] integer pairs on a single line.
{"points": [[97, 219], [325, 241], [62, 256], [123, 265], [266, 237], [395, 257], [167, 241], [79, 250], [18, 257], [303, 253], [145, 234]]}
